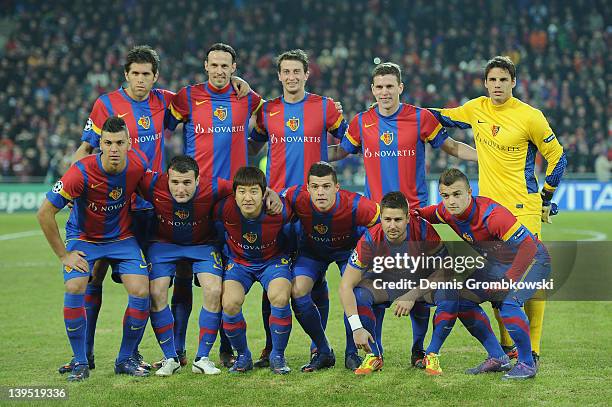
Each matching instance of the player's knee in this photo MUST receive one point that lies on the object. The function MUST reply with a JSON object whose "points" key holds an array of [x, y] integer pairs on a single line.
{"points": [[299, 290], [141, 291], [76, 286], [159, 298], [212, 297], [278, 297]]}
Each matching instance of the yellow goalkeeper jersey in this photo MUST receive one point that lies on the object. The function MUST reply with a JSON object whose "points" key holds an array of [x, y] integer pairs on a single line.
{"points": [[507, 138]]}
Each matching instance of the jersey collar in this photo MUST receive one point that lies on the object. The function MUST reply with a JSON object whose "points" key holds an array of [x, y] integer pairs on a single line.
{"points": [[212, 89], [127, 97], [393, 116], [468, 213]]}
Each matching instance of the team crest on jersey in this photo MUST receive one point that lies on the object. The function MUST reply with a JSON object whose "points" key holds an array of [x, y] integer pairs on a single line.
{"points": [[466, 236], [250, 237], [116, 193], [321, 228], [182, 214], [293, 123], [220, 113], [387, 137], [144, 122], [57, 188], [229, 267], [495, 130]]}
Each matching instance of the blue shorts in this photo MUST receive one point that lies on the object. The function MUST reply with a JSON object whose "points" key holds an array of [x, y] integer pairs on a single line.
{"points": [[278, 267], [314, 268], [124, 256], [164, 257], [538, 271]]}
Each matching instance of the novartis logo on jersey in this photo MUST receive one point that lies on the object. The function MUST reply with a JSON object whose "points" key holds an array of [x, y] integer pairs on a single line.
{"points": [[148, 138], [294, 139], [199, 129], [92, 206], [389, 153], [492, 143]]}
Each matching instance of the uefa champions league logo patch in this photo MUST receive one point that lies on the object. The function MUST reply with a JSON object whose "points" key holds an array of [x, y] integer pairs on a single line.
{"points": [[88, 125], [59, 185]]}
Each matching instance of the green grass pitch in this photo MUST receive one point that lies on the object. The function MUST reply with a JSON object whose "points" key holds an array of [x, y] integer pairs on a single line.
{"points": [[575, 365]]}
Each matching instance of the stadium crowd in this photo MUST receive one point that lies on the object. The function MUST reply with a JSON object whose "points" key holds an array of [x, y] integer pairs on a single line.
{"points": [[57, 57]]}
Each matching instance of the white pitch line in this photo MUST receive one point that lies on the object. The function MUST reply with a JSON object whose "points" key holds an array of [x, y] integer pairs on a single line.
{"points": [[19, 235], [595, 236]]}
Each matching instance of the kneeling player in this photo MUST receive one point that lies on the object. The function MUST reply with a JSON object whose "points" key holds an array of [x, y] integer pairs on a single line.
{"points": [[332, 221], [513, 254], [100, 186], [396, 233], [255, 253]]}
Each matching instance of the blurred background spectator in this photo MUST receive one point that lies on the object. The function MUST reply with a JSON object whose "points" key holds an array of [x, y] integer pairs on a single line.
{"points": [[57, 57]]}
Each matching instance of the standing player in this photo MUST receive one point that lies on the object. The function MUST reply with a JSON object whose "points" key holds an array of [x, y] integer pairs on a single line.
{"points": [[392, 138], [513, 253], [100, 187], [254, 241], [184, 231], [332, 221], [508, 133], [295, 126], [397, 233]]}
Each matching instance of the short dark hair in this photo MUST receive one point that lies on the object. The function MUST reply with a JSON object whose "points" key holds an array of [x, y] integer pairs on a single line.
{"points": [[142, 54], [184, 164], [322, 169], [387, 68], [219, 46], [503, 63], [293, 55], [394, 200], [452, 175], [114, 124], [249, 176]]}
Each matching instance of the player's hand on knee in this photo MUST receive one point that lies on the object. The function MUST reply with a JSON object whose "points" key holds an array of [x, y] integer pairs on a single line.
{"points": [[241, 86], [402, 308], [75, 261], [362, 339]]}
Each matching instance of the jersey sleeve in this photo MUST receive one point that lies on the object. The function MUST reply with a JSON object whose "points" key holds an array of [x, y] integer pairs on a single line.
{"points": [[362, 254], [432, 131], [178, 111], [93, 127], [146, 185], [459, 117], [259, 132], [432, 214], [545, 140], [335, 125], [368, 212], [68, 188], [502, 224], [351, 141], [256, 102], [290, 194]]}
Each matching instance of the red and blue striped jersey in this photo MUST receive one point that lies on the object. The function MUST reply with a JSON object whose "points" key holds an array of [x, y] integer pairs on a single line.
{"points": [[485, 221], [251, 241], [101, 200], [374, 243], [188, 223], [216, 127], [393, 150], [297, 136], [337, 230], [144, 120]]}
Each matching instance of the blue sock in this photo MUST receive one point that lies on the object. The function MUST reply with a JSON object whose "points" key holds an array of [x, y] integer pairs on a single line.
{"points": [[182, 299], [209, 325], [224, 346], [163, 324], [517, 324], [379, 313], [320, 297], [134, 322], [444, 320], [477, 323], [93, 303], [265, 315], [75, 320], [419, 317], [350, 343], [309, 318], [365, 301], [280, 327], [235, 328]]}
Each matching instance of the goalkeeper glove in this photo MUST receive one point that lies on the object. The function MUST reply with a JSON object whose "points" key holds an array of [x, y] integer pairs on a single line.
{"points": [[548, 208]]}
